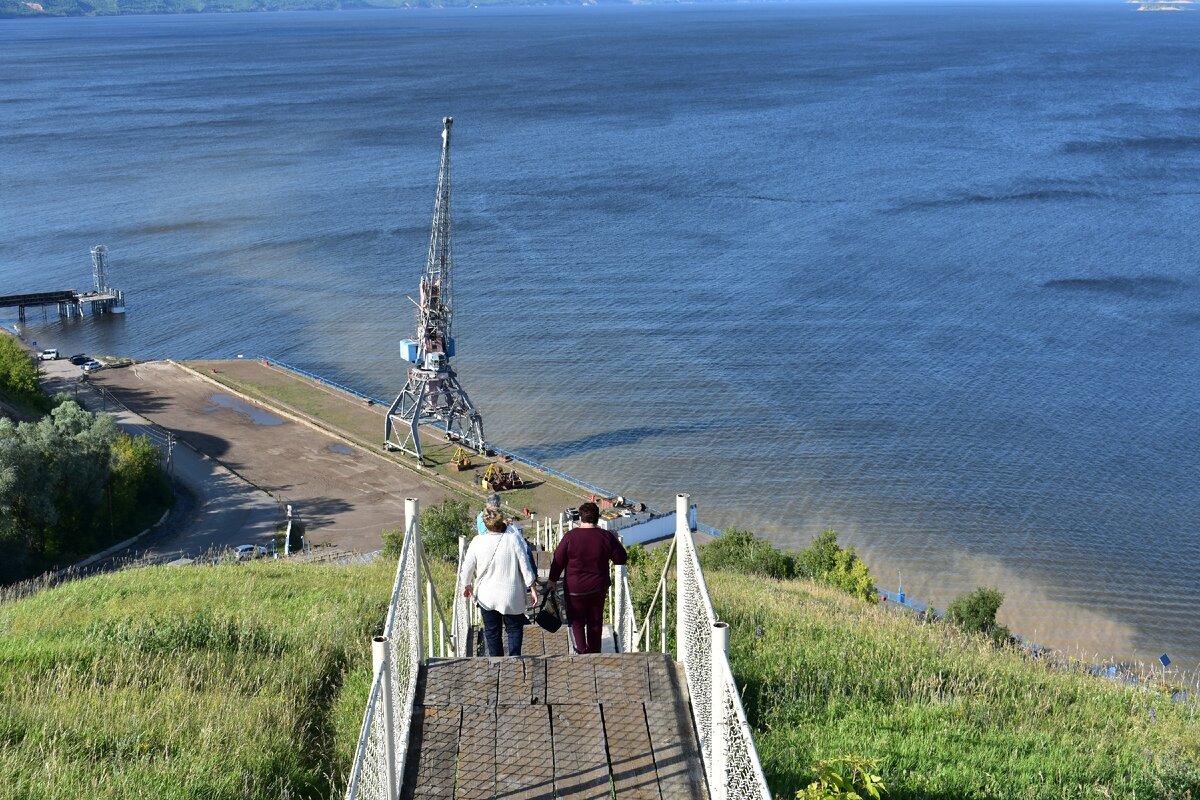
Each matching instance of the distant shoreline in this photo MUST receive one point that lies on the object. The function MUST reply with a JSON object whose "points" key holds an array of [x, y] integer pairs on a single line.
{"points": [[16, 9]]}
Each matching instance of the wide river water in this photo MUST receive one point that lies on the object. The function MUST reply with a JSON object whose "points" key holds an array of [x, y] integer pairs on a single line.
{"points": [[923, 273]]}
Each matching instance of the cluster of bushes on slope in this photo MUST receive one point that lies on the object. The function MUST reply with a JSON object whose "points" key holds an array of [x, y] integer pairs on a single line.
{"points": [[71, 484], [19, 377]]}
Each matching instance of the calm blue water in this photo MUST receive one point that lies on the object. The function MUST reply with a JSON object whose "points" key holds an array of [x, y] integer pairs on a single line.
{"points": [[926, 274]]}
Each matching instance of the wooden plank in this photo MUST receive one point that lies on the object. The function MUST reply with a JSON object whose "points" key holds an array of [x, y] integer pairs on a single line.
{"points": [[513, 686], [556, 644], [667, 682], [621, 678], [533, 644], [629, 753], [442, 679], [537, 681], [524, 753], [676, 751], [570, 679], [433, 746], [475, 774], [580, 760], [478, 684]]}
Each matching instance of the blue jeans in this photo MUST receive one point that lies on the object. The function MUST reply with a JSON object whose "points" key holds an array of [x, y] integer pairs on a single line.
{"points": [[514, 626]]}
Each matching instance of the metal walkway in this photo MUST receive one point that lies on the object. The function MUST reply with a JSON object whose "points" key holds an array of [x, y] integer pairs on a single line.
{"points": [[443, 723]]}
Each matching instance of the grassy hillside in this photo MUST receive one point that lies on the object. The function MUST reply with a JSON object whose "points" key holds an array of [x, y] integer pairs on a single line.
{"points": [[218, 682], [943, 714]]}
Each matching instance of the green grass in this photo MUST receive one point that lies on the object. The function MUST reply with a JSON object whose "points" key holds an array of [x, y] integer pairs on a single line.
{"points": [[216, 682], [942, 713]]}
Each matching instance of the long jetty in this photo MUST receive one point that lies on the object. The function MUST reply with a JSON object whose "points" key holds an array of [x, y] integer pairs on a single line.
{"points": [[68, 302]]}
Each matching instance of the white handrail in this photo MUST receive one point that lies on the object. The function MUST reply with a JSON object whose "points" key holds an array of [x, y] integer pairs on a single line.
{"points": [[701, 641], [379, 759]]}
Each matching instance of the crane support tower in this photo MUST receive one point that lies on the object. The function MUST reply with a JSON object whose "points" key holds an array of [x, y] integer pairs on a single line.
{"points": [[432, 393]]}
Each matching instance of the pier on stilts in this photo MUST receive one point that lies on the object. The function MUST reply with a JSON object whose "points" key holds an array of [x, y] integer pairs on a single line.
{"points": [[652, 718], [68, 303]]}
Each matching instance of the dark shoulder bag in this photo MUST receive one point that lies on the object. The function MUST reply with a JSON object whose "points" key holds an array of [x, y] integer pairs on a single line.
{"points": [[548, 617]]}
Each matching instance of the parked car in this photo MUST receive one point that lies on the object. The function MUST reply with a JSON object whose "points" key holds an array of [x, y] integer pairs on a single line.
{"points": [[249, 552], [48, 355], [79, 360], [91, 365]]}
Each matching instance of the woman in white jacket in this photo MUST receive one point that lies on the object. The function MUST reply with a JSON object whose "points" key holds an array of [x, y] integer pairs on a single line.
{"points": [[497, 570]]}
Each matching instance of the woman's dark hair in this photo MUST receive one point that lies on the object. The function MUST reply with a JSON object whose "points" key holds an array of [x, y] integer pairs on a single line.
{"points": [[589, 513]]}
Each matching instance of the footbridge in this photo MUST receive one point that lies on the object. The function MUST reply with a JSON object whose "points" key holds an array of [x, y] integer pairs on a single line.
{"points": [[657, 717]]}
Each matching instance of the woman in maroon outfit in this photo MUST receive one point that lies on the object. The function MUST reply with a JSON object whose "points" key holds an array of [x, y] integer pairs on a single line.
{"points": [[584, 554]]}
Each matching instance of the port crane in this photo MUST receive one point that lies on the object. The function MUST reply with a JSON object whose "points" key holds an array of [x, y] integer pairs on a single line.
{"points": [[432, 393]]}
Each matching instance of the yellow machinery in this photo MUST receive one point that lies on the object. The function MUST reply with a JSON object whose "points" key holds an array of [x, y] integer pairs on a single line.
{"points": [[461, 460]]}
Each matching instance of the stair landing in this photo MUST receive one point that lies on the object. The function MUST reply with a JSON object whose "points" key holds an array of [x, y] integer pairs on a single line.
{"points": [[555, 727]]}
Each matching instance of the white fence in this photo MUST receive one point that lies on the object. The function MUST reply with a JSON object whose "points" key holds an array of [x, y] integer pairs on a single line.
{"points": [[408, 639], [702, 645]]}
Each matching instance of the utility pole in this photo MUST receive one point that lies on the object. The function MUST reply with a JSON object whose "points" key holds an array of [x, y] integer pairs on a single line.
{"points": [[432, 392]]}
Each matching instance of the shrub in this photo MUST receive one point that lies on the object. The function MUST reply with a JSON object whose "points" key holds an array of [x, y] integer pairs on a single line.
{"points": [[825, 561], [18, 375], [740, 551], [393, 542], [844, 778], [442, 524], [976, 613]]}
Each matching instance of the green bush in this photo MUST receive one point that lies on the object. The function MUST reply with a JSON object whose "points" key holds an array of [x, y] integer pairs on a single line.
{"points": [[740, 551], [844, 778], [19, 375], [441, 525], [976, 613], [70, 484], [825, 561]]}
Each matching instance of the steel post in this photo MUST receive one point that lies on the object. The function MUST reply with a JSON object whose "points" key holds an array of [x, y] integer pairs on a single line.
{"points": [[383, 670], [718, 781], [682, 537], [412, 526]]}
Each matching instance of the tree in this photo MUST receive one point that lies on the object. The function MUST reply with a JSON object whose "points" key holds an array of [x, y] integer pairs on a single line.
{"points": [[441, 525], [976, 613], [820, 557], [18, 374]]}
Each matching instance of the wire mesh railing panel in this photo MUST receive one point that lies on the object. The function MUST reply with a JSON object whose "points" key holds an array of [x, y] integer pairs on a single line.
{"points": [[402, 629], [744, 777], [368, 778], [698, 619]]}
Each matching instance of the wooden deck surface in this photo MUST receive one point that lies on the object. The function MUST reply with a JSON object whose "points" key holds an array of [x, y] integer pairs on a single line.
{"points": [[553, 727]]}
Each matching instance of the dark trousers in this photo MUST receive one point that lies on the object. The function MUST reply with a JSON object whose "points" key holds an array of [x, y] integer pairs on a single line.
{"points": [[514, 626], [587, 618]]}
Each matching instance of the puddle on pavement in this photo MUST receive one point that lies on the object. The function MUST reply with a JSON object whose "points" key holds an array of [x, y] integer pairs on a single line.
{"points": [[341, 449], [254, 413]]}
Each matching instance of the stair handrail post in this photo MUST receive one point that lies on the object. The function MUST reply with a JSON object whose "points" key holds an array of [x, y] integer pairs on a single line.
{"points": [[682, 532], [382, 670], [620, 580], [718, 783], [412, 525]]}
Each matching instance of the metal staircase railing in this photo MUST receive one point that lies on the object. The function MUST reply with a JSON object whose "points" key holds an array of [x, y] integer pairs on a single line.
{"points": [[406, 643], [726, 743], [702, 645]]}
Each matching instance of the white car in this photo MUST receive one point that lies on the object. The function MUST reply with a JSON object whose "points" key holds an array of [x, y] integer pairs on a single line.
{"points": [[91, 366], [249, 552], [48, 355]]}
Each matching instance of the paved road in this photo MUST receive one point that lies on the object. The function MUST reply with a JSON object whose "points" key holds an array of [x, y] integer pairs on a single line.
{"points": [[227, 510]]}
